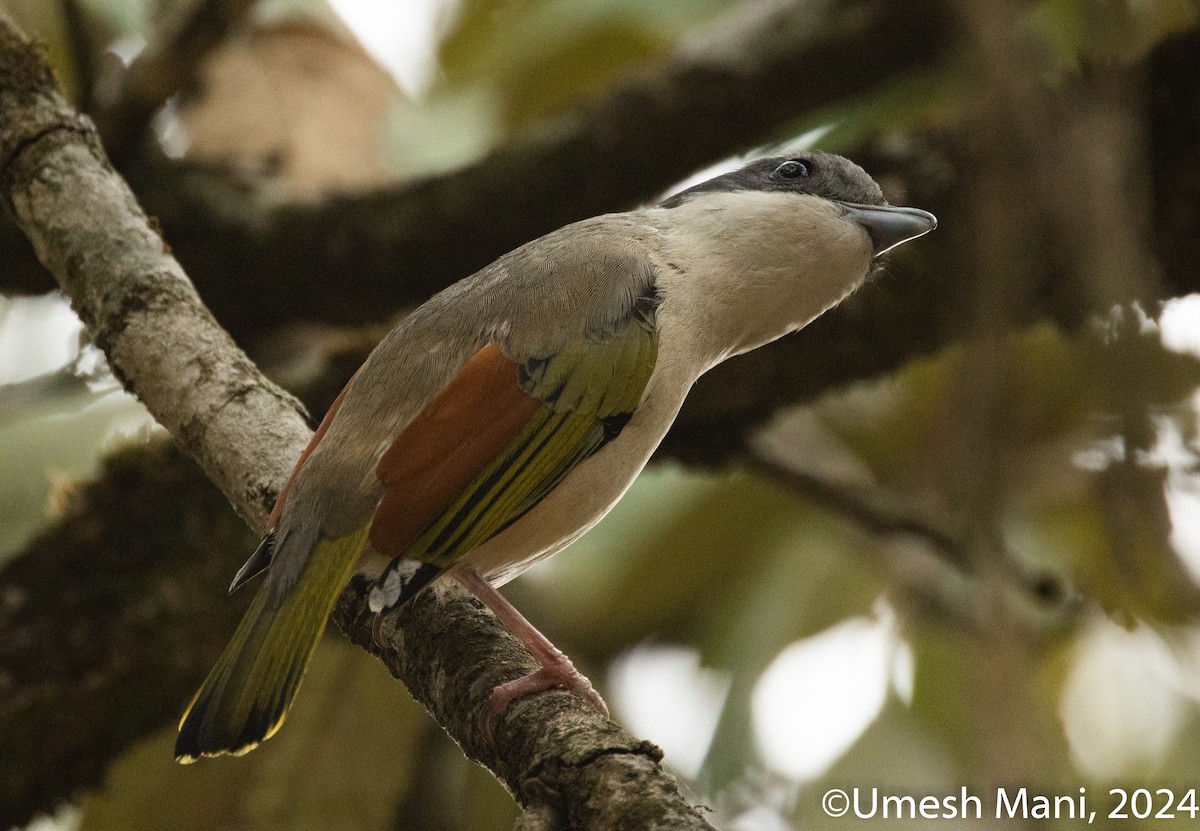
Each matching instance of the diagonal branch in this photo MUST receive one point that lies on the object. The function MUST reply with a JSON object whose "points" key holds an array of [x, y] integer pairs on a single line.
{"points": [[164, 345], [926, 560], [875, 511], [161, 342], [558, 757]]}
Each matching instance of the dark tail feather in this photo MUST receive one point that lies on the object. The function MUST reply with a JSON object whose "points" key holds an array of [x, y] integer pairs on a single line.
{"points": [[246, 696], [259, 562]]}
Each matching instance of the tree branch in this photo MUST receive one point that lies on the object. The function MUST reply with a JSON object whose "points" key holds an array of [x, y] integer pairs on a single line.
{"points": [[875, 511], [161, 342], [91, 234], [557, 756], [926, 561]]}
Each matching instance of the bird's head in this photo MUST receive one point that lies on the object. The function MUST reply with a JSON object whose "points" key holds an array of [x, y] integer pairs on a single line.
{"points": [[782, 239], [824, 176]]}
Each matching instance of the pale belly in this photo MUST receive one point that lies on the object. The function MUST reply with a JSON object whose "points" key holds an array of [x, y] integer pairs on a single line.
{"points": [[588, 492]]}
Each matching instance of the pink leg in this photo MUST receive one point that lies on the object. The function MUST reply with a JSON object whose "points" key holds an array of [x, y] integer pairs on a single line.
{"points": [[557, 670]]}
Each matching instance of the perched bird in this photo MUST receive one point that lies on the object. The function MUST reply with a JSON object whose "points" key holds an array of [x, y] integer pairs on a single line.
{"points": [[503, 418]]}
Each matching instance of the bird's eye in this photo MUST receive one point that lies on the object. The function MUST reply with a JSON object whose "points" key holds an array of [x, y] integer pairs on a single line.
{"points": [[794, 169]]}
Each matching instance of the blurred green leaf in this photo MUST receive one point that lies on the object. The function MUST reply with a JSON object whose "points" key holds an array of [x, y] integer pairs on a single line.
{"points": [[1124, 31], [537, 56], [48, 443]]}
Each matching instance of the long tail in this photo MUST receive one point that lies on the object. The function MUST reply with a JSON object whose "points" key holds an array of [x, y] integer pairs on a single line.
{"points": [[246, 696]]}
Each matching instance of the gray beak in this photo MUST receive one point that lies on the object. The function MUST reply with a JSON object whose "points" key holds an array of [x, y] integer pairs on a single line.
{"points": [[890, 226]]}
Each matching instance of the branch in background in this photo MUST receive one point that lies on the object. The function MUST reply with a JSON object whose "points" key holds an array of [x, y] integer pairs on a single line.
{"points": [[163, 344], [355, 258], [872, 509], [109, 621], [259, 264], [736, 85], [168, 63], [926, 561]]}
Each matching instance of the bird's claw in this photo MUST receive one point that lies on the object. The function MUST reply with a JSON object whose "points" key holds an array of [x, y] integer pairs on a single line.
{"points": [[560, 676], [377, 630]]}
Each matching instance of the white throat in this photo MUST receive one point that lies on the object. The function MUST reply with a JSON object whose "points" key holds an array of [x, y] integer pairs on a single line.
{"points": [[740, 269]]}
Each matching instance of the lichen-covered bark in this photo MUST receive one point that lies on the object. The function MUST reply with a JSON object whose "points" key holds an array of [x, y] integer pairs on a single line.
{"points": [[123, 281], [568, 766]]}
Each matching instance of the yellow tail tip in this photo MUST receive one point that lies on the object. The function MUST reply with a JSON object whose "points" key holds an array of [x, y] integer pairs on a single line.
{"points": [[243, 701], [196, 740], [191, 757]]}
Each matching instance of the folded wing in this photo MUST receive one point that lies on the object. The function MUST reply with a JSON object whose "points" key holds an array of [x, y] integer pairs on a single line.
{"points": [[497, 440]]}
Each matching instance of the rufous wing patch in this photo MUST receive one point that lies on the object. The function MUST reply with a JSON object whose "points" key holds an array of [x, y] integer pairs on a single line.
{"points": [[458, 435]]}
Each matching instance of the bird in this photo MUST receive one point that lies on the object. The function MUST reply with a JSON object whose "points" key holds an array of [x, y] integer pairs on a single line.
{"points": [[504, 417]]}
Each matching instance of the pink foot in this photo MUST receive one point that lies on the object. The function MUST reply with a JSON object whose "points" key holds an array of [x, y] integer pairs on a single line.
{"points": [[562, 676], [557, 670]]}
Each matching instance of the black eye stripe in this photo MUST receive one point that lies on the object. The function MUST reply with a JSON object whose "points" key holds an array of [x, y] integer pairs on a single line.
{"points": [[793, 169]]}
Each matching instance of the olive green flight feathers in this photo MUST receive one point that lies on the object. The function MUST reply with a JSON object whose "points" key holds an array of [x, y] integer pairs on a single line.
{"points": [[588, 391]]}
